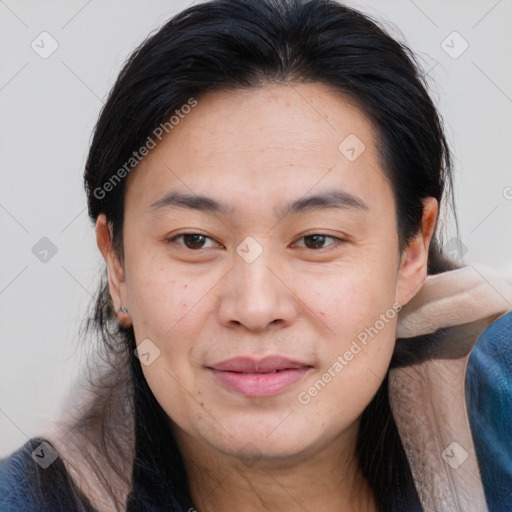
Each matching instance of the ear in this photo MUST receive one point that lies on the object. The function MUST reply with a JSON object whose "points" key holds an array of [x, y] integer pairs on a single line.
{"points": [[116, 277], [413, 266]]}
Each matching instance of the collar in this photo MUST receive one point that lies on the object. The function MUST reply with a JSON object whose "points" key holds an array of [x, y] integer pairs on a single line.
{"points": [[428, 399]]}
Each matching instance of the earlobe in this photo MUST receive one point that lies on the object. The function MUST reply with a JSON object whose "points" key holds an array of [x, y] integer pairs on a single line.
{"points": [[414, 263], [116, 279]]}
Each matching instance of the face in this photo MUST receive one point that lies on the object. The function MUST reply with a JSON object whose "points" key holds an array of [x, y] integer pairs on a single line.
{"points": [[266, 299]]}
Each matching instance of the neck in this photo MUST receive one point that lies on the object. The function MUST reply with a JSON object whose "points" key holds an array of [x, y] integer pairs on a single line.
{"points": [[327, 479]]}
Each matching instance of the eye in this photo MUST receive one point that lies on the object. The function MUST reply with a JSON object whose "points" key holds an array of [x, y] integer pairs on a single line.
{"points": [[317, 240], [193, 241], [196, 241]]}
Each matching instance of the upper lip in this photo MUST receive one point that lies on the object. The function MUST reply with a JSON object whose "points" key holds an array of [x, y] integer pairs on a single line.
{"points": [[252, 365]]}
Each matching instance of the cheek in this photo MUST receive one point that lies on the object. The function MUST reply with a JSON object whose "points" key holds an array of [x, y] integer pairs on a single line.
{"points": [[359, 316], [164, 314], [161, 296], [170, 308], [351, 373], [350, 300]]}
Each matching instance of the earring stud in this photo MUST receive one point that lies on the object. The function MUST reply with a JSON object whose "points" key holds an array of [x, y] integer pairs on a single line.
{"points": [[123, 309]]}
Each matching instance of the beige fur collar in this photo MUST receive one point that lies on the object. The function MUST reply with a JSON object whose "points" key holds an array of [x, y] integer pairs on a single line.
{"points": [[428, 399]]}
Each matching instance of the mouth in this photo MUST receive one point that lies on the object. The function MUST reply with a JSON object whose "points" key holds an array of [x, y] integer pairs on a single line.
{"points": [[259, 378]]}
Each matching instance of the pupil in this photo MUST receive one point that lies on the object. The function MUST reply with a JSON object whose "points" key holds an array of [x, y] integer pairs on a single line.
{"points": [[318, 240], [194, 240]]}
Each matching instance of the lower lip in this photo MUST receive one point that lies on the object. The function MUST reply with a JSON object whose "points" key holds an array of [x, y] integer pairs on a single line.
{"points": [[260, 384]]}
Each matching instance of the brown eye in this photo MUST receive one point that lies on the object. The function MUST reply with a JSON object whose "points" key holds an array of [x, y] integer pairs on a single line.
{"points": [[192, 241], [316, 241]]}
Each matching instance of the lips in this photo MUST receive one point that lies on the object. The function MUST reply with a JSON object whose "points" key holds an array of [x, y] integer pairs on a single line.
{"points": [[259, 378]]}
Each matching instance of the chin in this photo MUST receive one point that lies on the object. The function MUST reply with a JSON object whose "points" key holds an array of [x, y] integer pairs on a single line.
{"points": [[258, 450], [272, 439]]}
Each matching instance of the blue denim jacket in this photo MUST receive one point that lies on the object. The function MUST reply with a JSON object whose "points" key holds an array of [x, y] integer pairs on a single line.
{"points": [[25, 486], [489, 402]]}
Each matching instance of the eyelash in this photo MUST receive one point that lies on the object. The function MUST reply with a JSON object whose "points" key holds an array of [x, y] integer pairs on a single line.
{"points": [[175, 237]]}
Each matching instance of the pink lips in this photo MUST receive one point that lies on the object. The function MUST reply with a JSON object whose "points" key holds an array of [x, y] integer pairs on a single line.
{"points": [[259, 378]]}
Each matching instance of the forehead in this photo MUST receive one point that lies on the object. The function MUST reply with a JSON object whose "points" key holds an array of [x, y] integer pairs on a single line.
{"points": [[298, 118], [262, 142]]}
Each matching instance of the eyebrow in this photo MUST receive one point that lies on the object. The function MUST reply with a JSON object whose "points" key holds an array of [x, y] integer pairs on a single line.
{"points": [[329, 199]]}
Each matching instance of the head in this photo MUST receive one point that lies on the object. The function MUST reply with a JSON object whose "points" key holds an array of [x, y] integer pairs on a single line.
{"points": [[282, 201]]}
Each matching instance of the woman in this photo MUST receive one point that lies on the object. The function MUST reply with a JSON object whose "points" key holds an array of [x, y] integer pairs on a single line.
{"points": [[265, 182]]}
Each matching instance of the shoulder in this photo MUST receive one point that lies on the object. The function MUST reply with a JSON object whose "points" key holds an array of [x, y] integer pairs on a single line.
{"points": [[34, 479], [493, 351], [489, 404]]}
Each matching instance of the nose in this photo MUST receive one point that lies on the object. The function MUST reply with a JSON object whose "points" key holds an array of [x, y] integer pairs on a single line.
{"points": [[258, 294]]}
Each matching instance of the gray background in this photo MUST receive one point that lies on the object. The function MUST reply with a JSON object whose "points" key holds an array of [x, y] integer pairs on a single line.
{"points": [[48, 108]]}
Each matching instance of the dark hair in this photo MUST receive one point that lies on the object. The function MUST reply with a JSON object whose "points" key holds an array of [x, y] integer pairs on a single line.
{"points": [[232, 44]]}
